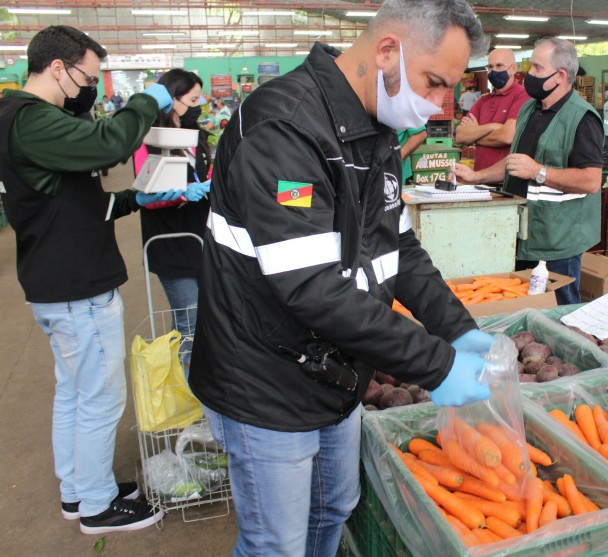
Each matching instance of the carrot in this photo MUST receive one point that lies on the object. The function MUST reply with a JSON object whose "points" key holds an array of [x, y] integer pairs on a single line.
{"points": [[438, 439], [489, 508], [501, 528], [461, 459], [511, 452], [564, 420], [578, 502], [537, 456], [474, 486], [504, 474], [485, 536], [549, 513], [418, 444], [465, 534], [549, 494], [476, 299], [447, 476], [584, 419], [603, 450], [412, 464], [432, 457], [533, 469], [470, 516], [519, 506], [523, 528], [560, 487], [534, 503], [601, 423], [483, 449]]}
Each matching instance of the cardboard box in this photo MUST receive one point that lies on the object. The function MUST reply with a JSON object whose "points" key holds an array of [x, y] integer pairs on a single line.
{"points": [[594, 276], [545, 300]]}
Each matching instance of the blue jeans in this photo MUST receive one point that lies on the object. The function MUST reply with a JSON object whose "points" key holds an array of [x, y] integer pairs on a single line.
{"points": [[182, 294], [571, 267], [87, 339], [292, 491]]}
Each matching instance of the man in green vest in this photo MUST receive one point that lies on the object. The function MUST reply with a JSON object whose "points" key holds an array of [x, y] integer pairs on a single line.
{"points": [[556, 163]]}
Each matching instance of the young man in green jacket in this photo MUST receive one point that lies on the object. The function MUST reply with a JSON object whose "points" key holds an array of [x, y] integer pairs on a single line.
{"points": [[68, 261], [556, 162]]}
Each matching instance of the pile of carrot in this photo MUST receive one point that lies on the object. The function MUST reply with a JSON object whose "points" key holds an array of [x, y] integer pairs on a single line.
{"points": [[589, 425], [400, 308], [489, 289], [477, 484]]}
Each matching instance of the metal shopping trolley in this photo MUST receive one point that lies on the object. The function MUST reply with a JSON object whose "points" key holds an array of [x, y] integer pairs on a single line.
{"points": [[182, 467]]}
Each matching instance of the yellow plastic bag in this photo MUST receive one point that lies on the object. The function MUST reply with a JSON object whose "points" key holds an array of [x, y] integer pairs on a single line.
{"points": [[163, 399]]}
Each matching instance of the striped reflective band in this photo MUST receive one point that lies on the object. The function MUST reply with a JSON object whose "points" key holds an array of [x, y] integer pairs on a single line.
{"points": [[545, 193], [386, 266], [233, 237], [362, 282], [405, 221], [299, 253]]}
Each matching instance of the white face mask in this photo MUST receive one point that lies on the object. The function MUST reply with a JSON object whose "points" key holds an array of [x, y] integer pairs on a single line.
{"points": [[406, 109]]}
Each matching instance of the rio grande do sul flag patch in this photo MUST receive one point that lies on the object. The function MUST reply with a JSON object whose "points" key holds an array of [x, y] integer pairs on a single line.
{"points": [[294, 194]]}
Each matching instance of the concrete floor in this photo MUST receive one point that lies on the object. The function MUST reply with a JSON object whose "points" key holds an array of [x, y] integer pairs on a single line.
{"points": [[30, 518]]}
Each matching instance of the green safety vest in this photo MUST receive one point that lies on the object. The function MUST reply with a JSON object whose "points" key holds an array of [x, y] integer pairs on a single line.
{"points": [[560, 225]]}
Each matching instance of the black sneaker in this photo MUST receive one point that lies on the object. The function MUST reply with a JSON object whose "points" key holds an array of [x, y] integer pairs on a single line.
{"points": [[121, 516], [127, 490]]}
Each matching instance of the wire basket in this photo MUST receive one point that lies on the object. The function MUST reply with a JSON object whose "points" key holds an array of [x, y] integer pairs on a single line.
{"points": [[181, 465]]}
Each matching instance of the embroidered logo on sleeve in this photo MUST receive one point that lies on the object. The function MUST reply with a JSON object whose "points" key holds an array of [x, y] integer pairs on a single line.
{"points": [[294, 194]]}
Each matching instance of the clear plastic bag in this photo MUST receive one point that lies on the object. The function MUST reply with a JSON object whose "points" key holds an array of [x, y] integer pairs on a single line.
{"points": [[170, 476], [486, 439]]}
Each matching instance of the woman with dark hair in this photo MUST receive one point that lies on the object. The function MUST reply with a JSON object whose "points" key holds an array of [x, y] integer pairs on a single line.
{"points": [[177, 261]]}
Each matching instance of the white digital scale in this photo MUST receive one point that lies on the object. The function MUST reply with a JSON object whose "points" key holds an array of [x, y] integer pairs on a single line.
{"points": [[165, 172]]}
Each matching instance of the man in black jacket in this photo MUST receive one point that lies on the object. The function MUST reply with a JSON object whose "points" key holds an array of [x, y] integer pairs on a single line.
{"points": [[68, 261], [308, 243]]}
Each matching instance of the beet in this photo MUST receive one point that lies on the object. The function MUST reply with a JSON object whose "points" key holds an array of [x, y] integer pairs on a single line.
{"points": [[547, 373], [405, 385], [370, 407], [603, 348], [534, 367], [603, 342], [522, 339], [386, 387], [520, 367], [554, 361], [384, 378], [373, 393], [527, 378], [422, 396], [396, 397], [414, 390], [566, 369], [535, 351]]}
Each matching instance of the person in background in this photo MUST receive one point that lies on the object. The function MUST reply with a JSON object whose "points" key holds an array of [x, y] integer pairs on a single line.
{"points": [[68, 262], [108, 106], [117, 100], [467, 99], [556, 162], [490, 123], [409, 140], [177, 261], [222, 115], [307, 245]]}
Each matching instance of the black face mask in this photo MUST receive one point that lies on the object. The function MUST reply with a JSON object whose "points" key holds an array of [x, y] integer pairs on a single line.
{"points": [[534, 86], [81, 103], [190, 118], [498, 79]]}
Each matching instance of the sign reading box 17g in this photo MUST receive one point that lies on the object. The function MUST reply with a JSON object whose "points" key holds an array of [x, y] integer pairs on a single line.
{"points": [[221, 86]]}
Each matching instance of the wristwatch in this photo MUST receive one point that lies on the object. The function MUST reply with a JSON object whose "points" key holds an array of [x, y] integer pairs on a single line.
{"points": [[541, 176]]}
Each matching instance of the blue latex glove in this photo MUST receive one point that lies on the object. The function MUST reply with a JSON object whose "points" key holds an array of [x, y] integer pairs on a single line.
{"points": [[160, 94], [473, 341], [144, 199], [460, 385], [197, 190]]}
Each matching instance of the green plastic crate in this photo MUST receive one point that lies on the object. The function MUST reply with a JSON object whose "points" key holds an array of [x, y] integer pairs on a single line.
{"points": [[417, 519], [564, 343], [447, 141]]}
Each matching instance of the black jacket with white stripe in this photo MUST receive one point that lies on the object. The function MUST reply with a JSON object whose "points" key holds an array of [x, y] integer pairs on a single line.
{"points": [[275, 274]]}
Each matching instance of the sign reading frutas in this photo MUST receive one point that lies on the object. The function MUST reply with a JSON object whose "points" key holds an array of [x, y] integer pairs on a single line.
{"points": [[294, 194]]}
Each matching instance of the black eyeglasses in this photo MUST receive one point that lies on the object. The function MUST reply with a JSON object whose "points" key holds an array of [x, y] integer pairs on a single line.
{"points": [[92, 80], [498, 67]]}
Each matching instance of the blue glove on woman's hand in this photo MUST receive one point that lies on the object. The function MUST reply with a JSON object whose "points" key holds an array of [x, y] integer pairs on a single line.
{"points": [[197, 190], [144, 199], [460, 385], [160, 94], [474, 341]]}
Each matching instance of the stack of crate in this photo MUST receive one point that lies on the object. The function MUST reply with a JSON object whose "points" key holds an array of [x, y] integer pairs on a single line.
{"points": [[585, 85], [439, 128]]}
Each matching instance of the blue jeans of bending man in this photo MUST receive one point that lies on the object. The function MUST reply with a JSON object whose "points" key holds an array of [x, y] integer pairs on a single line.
{"points": [[87, 340], [571, 267], [182, 294], [292, 491]]}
